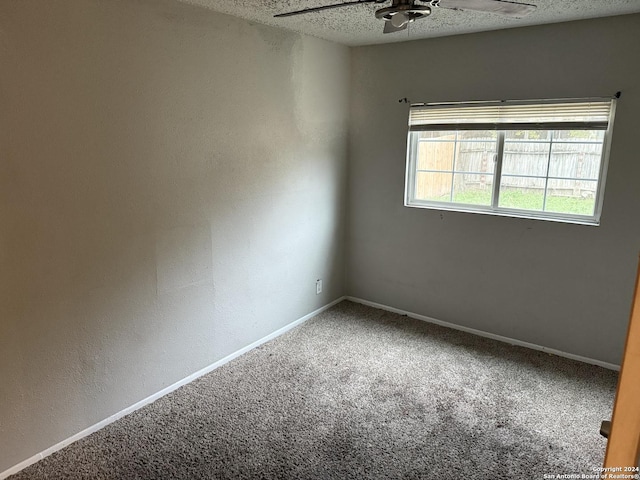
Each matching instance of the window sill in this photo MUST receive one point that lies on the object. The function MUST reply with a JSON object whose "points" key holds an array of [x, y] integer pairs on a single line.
{"points": [[507, 212]]}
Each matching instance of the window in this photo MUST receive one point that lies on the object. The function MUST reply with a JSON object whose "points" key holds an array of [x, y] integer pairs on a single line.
{"points": [[544, 160]]}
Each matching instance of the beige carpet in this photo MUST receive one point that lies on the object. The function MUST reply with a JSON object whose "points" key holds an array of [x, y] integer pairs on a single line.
{"points": [[359, 393]]}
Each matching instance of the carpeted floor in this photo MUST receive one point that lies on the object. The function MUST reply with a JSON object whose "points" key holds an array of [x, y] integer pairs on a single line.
{"points": [[359, 393]]}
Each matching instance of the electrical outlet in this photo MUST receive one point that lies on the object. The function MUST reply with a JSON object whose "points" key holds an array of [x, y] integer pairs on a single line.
{"points": [[318, 287]]}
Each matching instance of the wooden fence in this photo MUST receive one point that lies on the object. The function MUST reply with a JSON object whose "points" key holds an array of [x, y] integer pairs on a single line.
{"points": [[525, 166]]}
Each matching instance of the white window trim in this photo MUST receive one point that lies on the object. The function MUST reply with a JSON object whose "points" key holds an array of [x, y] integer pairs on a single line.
{"points": [[494, 209]]}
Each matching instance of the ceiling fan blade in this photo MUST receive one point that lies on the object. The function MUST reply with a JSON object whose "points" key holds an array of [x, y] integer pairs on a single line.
{"points": [[389, 28], [325, 7], [502, 7]]}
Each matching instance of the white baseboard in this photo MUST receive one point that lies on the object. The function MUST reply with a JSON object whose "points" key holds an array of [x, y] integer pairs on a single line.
{"points": [[94, 428], [480, 333]]}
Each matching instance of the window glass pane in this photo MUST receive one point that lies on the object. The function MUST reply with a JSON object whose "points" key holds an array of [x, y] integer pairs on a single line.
{"points": [[472, 188], [579, 135], [478, 135], [575, 160], [571, 196], [526, 152], [524, 193], [527, 135], [475, 156], [436, 154], [433, 186], [436, 135]]}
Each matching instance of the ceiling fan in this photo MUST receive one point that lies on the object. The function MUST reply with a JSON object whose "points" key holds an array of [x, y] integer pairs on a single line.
{"points": [[402, 12]]}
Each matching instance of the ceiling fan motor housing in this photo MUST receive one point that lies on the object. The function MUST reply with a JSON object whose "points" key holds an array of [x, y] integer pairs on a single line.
{"points": [[409, 11]]}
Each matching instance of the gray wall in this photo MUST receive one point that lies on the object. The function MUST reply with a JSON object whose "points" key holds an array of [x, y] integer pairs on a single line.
{"points": [[172, 183], [562, 286]]}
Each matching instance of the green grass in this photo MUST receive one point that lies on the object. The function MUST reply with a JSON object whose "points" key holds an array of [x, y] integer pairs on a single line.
{"points": [[474, 197], [524, 200]]}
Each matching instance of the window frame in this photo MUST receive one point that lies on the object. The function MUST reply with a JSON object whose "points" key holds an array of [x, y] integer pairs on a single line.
{"points": [[494, 208]]}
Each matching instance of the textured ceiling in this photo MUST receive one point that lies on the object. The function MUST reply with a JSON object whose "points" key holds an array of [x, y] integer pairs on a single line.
{"points": [[356, 25]]}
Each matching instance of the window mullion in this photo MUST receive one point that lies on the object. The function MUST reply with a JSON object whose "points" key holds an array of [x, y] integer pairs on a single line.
{"points": [[546, 180], [495, 197], [456, 145]]}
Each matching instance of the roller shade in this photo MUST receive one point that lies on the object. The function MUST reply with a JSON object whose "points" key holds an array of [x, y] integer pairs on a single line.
{"points": [[575, 115]]}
